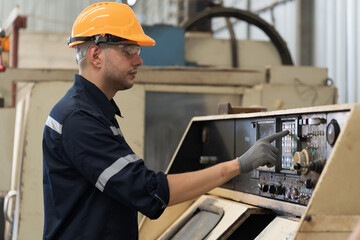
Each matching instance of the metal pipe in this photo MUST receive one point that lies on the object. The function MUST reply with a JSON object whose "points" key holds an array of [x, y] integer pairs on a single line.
{"points": [[233, 42], [19, 22]]}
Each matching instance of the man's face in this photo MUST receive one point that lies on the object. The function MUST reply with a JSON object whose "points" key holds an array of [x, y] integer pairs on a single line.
{"points": [[120, 67]]}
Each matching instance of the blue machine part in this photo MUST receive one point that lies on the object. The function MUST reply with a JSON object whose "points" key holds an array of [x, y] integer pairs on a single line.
{"points": [[169, 48]]}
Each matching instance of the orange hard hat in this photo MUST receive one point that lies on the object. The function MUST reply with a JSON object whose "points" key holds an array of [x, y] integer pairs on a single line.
{"points": [[108, 18]]}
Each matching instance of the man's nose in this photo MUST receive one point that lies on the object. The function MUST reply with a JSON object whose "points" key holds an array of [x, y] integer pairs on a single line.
{"points": [[138, 60]]}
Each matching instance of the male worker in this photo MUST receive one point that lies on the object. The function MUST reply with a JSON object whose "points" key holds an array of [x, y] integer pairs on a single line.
{"points": [[94, 184]]}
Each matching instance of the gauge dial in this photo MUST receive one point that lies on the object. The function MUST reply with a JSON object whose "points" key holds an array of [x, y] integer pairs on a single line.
{"points": [[332, 132]]}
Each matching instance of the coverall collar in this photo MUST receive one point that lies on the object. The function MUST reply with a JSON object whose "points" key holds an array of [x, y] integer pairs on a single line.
{"points": [[109, 108]]}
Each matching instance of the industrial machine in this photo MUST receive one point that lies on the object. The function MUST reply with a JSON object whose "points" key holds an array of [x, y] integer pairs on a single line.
{"points": [[162, 101], [313, 181]]}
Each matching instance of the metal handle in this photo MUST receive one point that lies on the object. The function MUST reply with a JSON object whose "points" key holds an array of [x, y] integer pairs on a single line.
{"points": [[8, 196]]}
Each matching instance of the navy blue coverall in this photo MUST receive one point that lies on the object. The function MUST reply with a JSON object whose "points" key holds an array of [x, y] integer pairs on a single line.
{"points": [[94, 184]]}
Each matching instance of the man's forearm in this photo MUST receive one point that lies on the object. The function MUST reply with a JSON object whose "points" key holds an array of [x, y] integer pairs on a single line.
{"points": [[186, 186]]}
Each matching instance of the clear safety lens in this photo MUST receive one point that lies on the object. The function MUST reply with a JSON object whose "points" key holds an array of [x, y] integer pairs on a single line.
{"points": [[131, 49]]}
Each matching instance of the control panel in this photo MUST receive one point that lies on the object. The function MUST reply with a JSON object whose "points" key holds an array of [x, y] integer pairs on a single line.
{"points": [[302, 156]]}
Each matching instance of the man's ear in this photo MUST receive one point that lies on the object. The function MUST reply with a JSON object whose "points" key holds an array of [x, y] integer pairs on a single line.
{"points": [[95, 55]]}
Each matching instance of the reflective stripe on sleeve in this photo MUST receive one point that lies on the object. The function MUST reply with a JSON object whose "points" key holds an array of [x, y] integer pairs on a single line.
{"points": [[116, 167], [54, 125], [116, 131]]}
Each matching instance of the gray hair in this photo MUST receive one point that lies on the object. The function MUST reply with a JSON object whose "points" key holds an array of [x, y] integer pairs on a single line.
{"points": [[81, 50]]}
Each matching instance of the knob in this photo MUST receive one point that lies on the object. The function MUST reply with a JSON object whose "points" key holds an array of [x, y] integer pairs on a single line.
{"points": [[332, 132], [317, 165], [309, 184], [280, 190], [272, 189], [297, 166], [301, 160], [265, 188], [287, 193], [294, 193]]}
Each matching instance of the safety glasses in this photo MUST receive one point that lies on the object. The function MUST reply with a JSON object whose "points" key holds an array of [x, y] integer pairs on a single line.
{"points": [[129, 49]]}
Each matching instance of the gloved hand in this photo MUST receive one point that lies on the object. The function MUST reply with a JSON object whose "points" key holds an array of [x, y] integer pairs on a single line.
{"points": [[261, 153]]}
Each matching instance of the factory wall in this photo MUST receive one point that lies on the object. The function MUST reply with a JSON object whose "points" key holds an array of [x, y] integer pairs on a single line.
{"points": [[335, 40]]}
